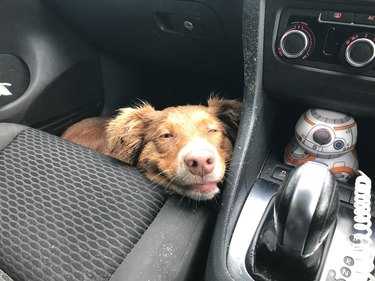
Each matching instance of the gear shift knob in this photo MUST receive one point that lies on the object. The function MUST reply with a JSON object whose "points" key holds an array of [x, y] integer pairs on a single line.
{"points": [[306, 207]]}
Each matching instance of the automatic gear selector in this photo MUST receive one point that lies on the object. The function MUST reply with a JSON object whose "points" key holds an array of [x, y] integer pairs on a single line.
{"points": [[290, 244], [306, 208]]}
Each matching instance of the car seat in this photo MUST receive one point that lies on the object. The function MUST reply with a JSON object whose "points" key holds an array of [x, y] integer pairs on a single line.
{"points": [[70, 213]]}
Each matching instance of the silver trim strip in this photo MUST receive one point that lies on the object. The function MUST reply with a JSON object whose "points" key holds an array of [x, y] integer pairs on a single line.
{"points": [[247, 224]]}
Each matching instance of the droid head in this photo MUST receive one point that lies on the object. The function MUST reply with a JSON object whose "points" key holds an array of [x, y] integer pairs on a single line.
{"points": [[326, 133]]}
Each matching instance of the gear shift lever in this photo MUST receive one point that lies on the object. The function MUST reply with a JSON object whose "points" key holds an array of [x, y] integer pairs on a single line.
{"points": [[294, 237], [306, 207]]}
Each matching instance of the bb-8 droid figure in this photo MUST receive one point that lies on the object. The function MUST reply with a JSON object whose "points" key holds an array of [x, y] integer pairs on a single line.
{"points": [[328, 137]]}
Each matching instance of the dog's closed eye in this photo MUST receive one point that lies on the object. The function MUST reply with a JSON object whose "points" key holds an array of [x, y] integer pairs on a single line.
{"points": [[166, 136], [212, 131]]}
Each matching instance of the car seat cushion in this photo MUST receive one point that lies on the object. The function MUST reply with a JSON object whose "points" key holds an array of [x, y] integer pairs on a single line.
{"points": [[66, 212]]}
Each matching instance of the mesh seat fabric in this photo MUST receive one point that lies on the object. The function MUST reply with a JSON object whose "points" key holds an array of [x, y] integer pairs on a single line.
{"points": [[68, 213]]}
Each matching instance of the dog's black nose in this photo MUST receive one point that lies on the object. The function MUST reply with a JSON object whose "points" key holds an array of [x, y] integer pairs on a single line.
{"points": [[200, 162]]}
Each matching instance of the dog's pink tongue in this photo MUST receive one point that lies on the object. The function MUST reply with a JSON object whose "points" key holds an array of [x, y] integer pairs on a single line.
{"points": [[204, 187]]}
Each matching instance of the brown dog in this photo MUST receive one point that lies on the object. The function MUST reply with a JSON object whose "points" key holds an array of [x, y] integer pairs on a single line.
{"points": [[184, 149]]}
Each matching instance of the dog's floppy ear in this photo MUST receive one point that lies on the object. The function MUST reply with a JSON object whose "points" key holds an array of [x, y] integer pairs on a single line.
{"points": [[229, 112], [125, 132]]}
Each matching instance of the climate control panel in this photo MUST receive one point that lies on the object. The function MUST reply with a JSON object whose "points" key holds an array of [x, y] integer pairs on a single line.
{"points": [[327, 38]]}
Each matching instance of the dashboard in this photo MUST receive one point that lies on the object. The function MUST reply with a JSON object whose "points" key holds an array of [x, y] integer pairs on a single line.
{"points": [[321, 54]]}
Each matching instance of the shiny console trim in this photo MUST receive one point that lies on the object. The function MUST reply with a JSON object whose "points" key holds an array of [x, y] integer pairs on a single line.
{"points": [[246, 227]]}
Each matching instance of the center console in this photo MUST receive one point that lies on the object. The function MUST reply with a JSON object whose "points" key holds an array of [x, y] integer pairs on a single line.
{"points": [[297, 55]]}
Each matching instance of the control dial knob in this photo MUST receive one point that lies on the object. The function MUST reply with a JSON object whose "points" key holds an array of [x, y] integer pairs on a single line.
{"points": [[296, 43], [359, 51]]}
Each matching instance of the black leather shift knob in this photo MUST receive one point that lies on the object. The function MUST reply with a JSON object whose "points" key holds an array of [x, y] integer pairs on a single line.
{"points": [[306, 207]]}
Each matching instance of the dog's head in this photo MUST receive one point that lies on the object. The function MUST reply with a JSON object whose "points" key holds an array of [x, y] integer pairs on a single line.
{"points": [[184, 149]]}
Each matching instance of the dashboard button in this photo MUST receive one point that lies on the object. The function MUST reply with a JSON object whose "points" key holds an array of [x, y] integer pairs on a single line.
{"points": [[331, 276], [364, 19], [337, 17], [349, 261], [346, 272], [280, 173], [296, 43], [355, 240], [360, 52]]}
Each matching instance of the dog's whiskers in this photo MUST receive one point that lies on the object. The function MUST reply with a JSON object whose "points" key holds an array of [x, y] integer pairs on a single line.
{"points": [[226, 179], [182, 198], [171, 180]]}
